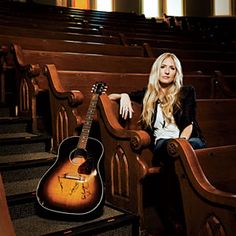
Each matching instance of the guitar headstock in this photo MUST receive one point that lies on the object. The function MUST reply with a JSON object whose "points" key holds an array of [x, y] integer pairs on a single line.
{"points": [[99, 88]]}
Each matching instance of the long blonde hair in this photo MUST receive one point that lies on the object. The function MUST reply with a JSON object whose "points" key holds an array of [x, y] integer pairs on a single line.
{"points": [[153, 91]]}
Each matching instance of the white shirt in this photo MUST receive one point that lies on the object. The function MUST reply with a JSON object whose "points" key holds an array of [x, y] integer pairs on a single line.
{"points": [[162, 129]]}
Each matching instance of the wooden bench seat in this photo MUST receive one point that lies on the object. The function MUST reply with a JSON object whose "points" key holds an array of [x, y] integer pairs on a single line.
{"points": [[40, 33], [92, 18], [89, 62], [172, 43], [72, 46], [207, 182], [128, 158], [193, 53], [25, 23], [216, 118], [83, 61], [226, 81]]}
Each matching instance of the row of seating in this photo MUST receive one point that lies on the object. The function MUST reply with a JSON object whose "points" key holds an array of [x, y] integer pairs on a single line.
{"points": [[128, 164], [77, 72]]}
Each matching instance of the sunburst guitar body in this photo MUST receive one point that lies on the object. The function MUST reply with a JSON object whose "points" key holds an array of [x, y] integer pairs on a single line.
{"points": [[73, 184]]}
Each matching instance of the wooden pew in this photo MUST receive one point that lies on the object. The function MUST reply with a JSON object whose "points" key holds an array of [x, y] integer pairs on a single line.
{"points": [[216, 118], [6, 225], [30, 81], [83, 61], [215, 85], [128, 160], [63, 83], [22, 22], [79, 61], [66, 46], [92, 19], [172, 43], [39, 33], [227, 82], [69, 106], [72, 46], [28, 64], [77, 23], [193, 53], [207, 182]]}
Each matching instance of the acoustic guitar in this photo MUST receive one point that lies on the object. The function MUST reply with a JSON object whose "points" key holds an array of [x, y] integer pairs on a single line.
{"points": [[73, 184]]}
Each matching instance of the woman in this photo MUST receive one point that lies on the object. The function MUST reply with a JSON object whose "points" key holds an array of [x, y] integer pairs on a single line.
{"points": [[169, 108], [169, 111]]}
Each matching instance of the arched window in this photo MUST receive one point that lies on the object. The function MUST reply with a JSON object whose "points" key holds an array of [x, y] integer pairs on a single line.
{"points": [[62, 3], [156, 8], [150, 8], [174, 7], [104, 5], [222, 7], [81, 4]]}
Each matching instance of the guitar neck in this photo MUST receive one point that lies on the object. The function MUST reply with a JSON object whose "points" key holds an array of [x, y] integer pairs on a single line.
{"points": [[88, 122]]}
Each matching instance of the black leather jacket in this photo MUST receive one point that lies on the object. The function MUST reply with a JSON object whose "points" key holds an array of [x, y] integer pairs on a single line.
{"points": [[184, 116]]}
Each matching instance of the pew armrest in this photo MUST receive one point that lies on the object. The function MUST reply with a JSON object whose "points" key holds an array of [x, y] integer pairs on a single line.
{"points": [[74, 97], [127, 156], [181, 149], [6, 225], [139, 139], [65, 107], [204, 203]]}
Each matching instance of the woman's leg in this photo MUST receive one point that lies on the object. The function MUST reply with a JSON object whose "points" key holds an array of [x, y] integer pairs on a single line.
{"points": [[170, 206], [197, 143], [160, 154]]}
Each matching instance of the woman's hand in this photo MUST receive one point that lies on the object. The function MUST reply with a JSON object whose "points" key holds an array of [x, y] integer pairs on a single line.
{"points": [[186, 133], [126, 109]]}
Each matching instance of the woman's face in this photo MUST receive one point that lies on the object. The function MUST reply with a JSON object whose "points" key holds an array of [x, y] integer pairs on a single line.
{"points": [[167, 72]]}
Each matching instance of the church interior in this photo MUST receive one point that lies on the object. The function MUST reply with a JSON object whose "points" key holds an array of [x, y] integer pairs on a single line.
{"points": [[69, 165]]}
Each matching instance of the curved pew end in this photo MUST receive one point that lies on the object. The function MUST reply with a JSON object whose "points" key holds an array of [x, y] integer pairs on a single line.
{"points": [[6, 226], [207, 209]]}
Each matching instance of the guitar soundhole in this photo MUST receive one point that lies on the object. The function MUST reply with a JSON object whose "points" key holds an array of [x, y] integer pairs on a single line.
{"points": [[78, 156], [81, 158]]}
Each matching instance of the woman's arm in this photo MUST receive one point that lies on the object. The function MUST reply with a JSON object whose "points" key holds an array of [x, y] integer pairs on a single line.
{"points": [[189, 112], [126, 109], [186, 133], [114, 96]]}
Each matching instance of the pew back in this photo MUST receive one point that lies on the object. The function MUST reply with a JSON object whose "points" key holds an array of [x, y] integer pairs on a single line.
{"points": [[207, 183], [218, 164], [88, 62], [72, 46], [216, 118], [39, 33]]}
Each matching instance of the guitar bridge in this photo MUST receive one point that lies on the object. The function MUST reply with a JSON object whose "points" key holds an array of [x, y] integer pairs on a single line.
{"points": [[78, 178]]}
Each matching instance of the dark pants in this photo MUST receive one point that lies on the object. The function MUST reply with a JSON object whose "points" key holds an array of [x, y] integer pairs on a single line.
{"points": [[170, 205], [161, 156]]}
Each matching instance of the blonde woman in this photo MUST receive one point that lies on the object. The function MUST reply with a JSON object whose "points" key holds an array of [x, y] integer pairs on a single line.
{"points": [[169, 111], [169, 108]]}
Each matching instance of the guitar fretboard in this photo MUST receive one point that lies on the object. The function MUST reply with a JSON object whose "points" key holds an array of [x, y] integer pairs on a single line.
{"points": [[88, 122]]}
